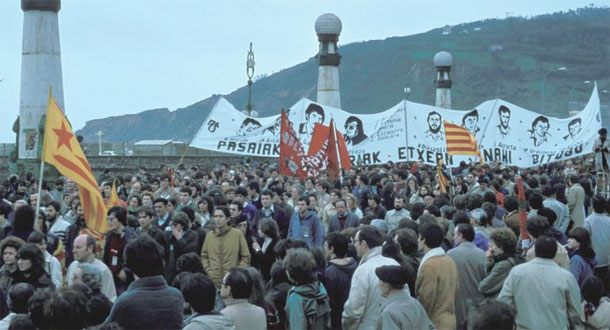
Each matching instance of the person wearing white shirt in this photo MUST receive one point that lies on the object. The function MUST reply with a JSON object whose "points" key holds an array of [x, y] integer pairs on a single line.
{"points": [[51, 264], [56, 225]]}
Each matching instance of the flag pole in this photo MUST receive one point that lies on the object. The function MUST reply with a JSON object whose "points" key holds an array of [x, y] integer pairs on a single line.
{"points": [[42, 166], [337, 149]]}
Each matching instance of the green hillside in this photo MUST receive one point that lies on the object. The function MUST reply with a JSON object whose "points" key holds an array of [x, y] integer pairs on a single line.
{"points": [[493, 58]]}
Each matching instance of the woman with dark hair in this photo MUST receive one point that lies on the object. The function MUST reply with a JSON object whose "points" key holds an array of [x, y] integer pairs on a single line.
{"points": [[23, 223], [560, 193], [582, 256], [263, 256], [8, 249], [596, 305], [206, 211], [307, 305], [502, 256], [135, 204], [30, 262]]}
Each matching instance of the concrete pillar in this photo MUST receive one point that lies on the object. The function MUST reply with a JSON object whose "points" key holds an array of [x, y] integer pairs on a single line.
{"points": [[40, 69], [328, 27], [443, 62]]}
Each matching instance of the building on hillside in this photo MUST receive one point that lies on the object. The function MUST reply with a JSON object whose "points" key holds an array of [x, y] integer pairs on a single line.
{"points": [[447, 30]]}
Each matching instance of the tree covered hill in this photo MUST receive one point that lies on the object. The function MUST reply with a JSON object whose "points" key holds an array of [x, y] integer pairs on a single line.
{"points": [[493, 58]]}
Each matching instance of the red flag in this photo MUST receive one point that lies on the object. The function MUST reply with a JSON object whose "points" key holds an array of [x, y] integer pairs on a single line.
{"points": [[291, 151], [338, 157]]}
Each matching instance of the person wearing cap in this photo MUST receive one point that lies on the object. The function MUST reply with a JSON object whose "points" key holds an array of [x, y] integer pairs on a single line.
{"points": [[400, 310]]}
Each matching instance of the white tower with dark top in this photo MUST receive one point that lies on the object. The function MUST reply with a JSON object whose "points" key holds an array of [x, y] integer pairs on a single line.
{"points": [[328, 27], [443, 62]]}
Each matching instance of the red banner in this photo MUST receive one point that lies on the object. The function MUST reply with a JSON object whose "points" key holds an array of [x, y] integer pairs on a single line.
{"points": [[291, 151]]}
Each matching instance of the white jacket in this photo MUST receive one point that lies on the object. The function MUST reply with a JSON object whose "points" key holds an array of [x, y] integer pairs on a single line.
{"points": [[363, 307]]}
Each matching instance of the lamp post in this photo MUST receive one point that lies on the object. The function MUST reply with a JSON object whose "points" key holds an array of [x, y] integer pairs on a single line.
{"points": [[99, 136], [250, 73], [543, 81]]}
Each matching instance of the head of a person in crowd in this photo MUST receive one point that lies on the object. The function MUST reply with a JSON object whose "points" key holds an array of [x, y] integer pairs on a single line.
{"points": [[593, 290], [240, 194], [145, 217], [171, 204], [511, 204], [117, 219], [335, 194], [341, 207], [189, 262], [39, 239], [240, 222], [33, 200], [463, 232], [160, 205], [546, 247], [18, 296], [24, 218], [373, 201], [448, 212], [9, 247], [460, 202], [470, 178], [483, 182], [236, 284], [335, 246], [366, 238], [253, 189], [391, 278], [362, 180], [89, 275], [430, 236], [268, 228], [53, 211], [66, 309], [579, 239], [181, 222], [266, 199], [428, 199], [302, 205], [549, 214], [199, 292], [535, 200], [399, 203], [84, 248], [547, 191], [147, 199], [236, 208], [600, 204], [286, 244], [221, 217], [503, 241], [30, 259], [492, 314], [300, 266], [537, 226], [572, 179], [206, 205], [322, 187], [144, 257], [313, 201], [135, 201], [36, 307], [407, 239], [478, 217], [230, 193], [423, 190]]}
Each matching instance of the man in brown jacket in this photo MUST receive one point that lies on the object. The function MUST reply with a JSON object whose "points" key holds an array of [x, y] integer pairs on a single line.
{"points": [[437, 279], [224, 248]]}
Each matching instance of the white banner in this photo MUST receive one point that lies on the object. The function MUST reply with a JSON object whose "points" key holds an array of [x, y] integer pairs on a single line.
{"points": [[506, 133]]}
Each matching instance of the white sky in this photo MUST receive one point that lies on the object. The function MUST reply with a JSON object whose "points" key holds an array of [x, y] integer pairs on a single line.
{"points": [[127, 56]]}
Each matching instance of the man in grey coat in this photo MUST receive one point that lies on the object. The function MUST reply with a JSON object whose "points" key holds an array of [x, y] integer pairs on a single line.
{"points": [[470, 263], [342, 218], [576, 201]]}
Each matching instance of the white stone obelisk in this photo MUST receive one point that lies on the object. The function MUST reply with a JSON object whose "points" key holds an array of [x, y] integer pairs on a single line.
{"points": [[40, 69], [328, 27], [443, 62]]}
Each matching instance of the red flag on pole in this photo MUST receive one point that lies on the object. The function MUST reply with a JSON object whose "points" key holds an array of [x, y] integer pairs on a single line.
{"points": [[291, 151], [338, 157]]}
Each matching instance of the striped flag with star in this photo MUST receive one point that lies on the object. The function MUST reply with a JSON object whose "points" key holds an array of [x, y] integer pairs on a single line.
{"points": [[460, 141], [62, 150]]}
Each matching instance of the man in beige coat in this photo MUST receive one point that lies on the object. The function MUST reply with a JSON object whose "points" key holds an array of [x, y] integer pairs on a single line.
{"points": [[576, 201], [437, 279]]}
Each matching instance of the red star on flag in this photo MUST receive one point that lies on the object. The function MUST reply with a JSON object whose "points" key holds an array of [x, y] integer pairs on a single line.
{"points": [[63, 136]]}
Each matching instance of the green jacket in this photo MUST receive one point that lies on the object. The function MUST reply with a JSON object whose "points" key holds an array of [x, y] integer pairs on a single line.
{"points": [[307, 307]]}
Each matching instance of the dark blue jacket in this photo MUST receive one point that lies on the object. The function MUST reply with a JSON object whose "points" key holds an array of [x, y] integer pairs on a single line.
{"points": [[148, 303], [337, 280]]}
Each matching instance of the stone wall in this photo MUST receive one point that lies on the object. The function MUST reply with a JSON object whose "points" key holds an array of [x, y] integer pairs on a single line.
{"points": [[131, 164]]}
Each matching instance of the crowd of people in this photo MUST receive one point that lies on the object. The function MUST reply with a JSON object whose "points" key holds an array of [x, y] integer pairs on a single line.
{"points": [[244, 247]]}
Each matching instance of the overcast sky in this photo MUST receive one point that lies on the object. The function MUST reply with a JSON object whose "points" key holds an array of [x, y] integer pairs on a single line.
{"points": [[122, 57]]}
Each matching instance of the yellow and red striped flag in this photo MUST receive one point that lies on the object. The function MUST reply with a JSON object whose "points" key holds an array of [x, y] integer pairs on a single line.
{"points": [[62, 150], [460, 141], [443, 178]]}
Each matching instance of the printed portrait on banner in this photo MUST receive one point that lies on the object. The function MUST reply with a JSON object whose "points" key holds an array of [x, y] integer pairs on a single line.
{"points": [[504, 125], [354, 131], [471, 122], [539, 131], [435, 127]]}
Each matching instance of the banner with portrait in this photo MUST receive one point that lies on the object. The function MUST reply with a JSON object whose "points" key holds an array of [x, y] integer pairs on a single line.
{"points": [[409, 131]]}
